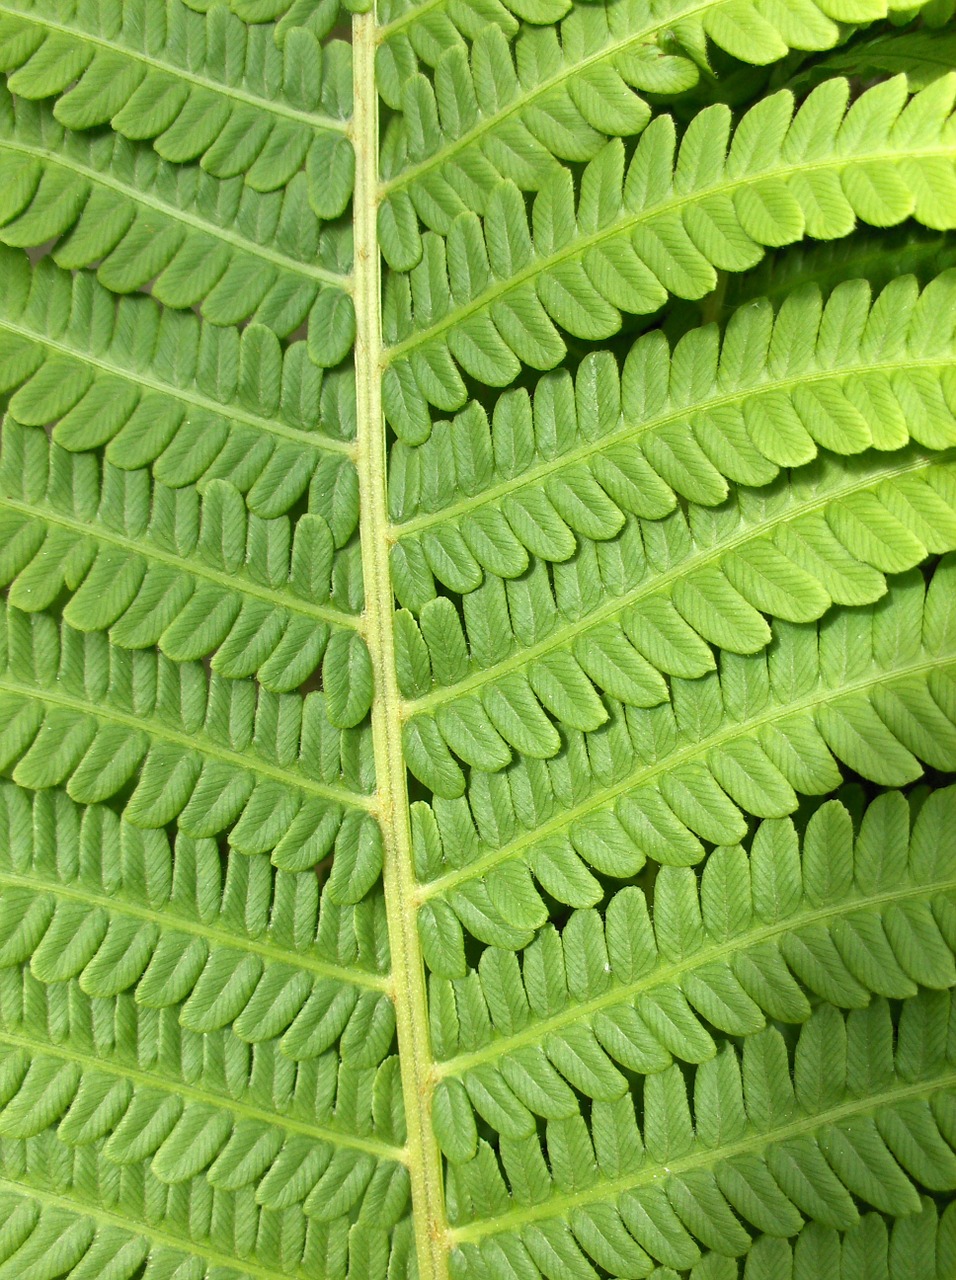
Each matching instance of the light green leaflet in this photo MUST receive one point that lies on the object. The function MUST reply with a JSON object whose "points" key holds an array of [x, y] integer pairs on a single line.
{"points": [[477, 640]]}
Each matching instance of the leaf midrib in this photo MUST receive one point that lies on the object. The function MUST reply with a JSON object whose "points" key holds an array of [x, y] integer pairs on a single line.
{"points": [[754, 1142], [674, 971], [265, 105], [647, 774], [429, 1222], [579, 245], [701, 556]]}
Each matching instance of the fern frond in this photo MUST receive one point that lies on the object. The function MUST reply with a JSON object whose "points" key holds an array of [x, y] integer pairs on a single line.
{"points": [[923, 1242], [204, 88], [496, 111], [233, 970], [767, 1150], [656, 47], [209, 1231], [717, 410], [161, 566], [198, 241], [617, 618], [198, 402], [273, 1027], [498, 107], [162, 889], [194, 1223], [767, 929], [871, 689], [317, 16], [212, 753], [477, 607], [488, 298], [572, 481], [216, 986]]}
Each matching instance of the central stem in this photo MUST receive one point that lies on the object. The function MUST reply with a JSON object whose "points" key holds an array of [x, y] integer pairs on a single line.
{"points": [[411, 1004]]}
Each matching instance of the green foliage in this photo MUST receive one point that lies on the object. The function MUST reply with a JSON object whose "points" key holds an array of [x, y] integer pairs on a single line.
{"points": [[658, 225], [207, 89], [218, 245], [477, 640]]}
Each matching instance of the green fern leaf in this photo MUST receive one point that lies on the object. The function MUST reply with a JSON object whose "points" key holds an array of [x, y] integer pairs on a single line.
{"points": [[242, 106], [217, 245], [477, 640]]}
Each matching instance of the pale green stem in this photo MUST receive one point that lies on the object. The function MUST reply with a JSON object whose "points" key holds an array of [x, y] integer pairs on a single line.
{"points": [[411, 1006]]}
